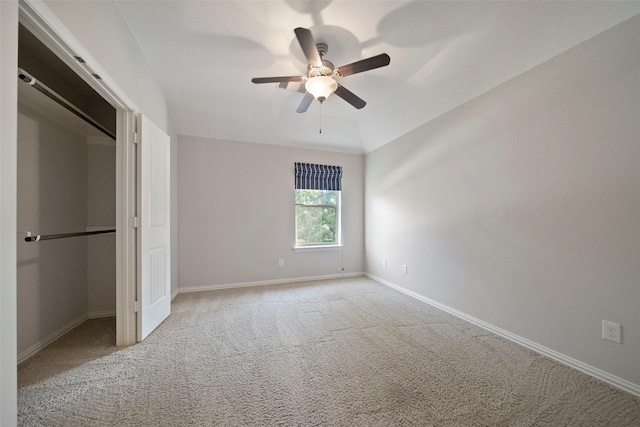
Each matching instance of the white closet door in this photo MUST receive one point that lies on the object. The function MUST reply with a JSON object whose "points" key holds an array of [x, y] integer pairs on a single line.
{"points": [[154, 284]]}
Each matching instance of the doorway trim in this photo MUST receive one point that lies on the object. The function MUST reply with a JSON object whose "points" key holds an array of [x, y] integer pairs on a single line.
{"points": [[39, 19]]}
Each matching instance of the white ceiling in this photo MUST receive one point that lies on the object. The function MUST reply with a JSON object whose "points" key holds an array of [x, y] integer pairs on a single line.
{"points": [[443, 54]]}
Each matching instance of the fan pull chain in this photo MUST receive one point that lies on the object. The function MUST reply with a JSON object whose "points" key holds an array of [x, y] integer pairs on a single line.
{"points": [[321, 117]]}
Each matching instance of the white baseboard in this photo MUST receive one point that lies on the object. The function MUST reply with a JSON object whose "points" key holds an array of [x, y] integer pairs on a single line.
{"points": [[51, 338], [186, 289], [174, 294], [100, 314], [545, 351]]}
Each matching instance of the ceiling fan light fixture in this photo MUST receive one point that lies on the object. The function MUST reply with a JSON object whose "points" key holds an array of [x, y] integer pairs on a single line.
{"points": [[319, 82], [321, 87]]}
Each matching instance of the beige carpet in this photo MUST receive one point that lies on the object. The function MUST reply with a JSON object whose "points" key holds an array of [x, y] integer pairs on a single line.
{"points": [[344, 352]]}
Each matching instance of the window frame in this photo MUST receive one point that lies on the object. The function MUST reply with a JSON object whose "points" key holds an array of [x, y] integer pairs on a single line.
{"points": [[337, 244]]}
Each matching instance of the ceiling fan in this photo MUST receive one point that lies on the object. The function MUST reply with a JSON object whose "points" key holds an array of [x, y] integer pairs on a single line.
{"points": [[320, 81]]}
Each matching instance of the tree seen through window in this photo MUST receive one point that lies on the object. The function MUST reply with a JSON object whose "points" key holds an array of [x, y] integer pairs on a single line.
{"points": [[316, 217]]}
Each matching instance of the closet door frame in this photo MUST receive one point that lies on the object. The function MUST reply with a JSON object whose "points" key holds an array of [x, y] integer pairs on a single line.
{"points": [[8, 193], [39, 19]]}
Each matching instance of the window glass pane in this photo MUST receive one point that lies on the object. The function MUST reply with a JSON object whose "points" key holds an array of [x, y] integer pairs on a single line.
{"points": [[315, 225], [316, 197]]}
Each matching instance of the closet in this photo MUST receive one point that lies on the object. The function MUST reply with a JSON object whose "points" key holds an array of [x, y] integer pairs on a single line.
{"points": [[66, 185]]}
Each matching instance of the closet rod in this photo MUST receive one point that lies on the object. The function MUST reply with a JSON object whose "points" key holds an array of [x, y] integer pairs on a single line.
{"points": [[39, 237], [30, 80]]}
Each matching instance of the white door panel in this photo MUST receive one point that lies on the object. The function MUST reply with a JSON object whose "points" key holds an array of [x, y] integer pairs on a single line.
{"points": [[154, 283]]}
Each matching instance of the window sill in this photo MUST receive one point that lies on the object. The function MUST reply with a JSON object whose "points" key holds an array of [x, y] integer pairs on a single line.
{"points": [[317, 248]]}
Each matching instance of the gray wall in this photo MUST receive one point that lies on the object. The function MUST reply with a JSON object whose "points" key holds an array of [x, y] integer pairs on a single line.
{"points": [[521, 208], [236, 213], [52, 199], [101, 214]]}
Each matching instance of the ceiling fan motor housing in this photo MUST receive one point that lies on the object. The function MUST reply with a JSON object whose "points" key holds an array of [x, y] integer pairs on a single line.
{"points": [[327, 67], [325, 70]]}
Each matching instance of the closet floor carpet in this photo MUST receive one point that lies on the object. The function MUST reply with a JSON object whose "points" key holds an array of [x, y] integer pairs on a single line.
{"points": [[337, 353]]}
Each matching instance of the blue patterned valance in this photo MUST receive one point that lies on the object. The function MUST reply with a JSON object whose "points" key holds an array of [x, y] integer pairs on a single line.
{"points": [[318, 177]]}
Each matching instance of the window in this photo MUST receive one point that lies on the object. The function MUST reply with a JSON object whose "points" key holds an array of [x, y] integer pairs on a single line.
{"points": [[317, 202], [317, 217]]}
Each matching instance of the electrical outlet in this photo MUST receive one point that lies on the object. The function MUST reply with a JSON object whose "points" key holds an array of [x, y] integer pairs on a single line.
{"points": [[384, 262], [281, 262], [404, 269], [611, 331]]}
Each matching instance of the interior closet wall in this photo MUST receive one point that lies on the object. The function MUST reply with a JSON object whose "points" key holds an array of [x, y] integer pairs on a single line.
{"points": [[101, 214], [52, 198], [66, 183]]}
